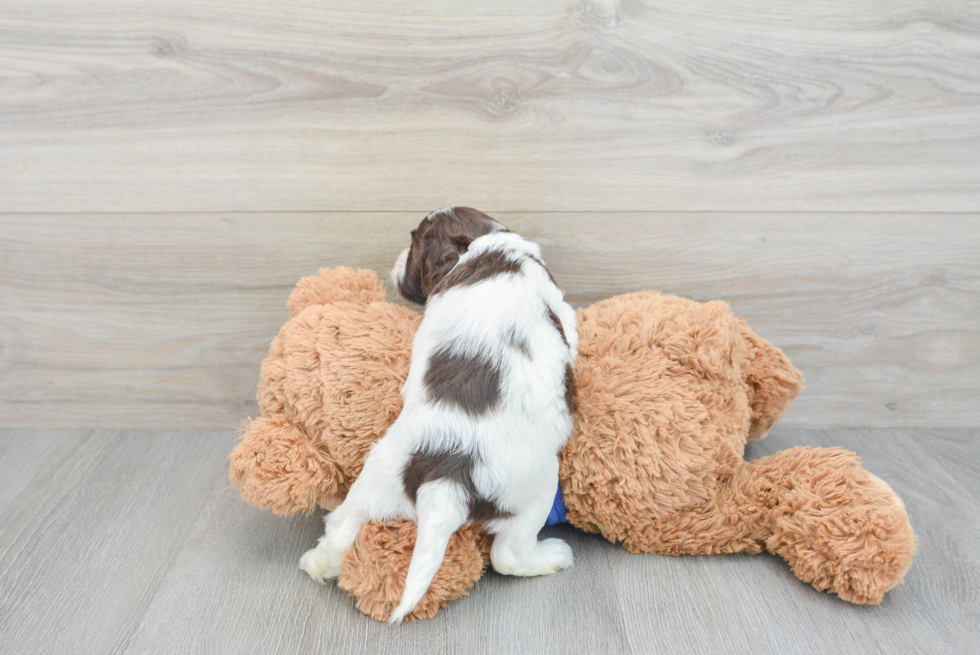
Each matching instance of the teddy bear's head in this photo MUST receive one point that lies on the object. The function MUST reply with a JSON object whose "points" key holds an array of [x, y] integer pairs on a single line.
{"points": [[328, 390]]}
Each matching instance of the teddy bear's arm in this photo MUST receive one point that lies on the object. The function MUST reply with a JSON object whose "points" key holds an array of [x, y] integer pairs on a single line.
{"points": [[772, 382], [275, 466]]}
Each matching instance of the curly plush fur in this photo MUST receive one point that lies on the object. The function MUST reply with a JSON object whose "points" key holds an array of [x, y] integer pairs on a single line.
{"points": [[670, 390]]}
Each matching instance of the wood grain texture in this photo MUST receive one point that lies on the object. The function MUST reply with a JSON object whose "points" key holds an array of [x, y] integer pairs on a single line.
{"points": [[83, 546], [24, 453], [183, 105], [573, 612], [942, 589], [958, 455], [252, 574], [161, 321], [134, 543], [236, 587]]}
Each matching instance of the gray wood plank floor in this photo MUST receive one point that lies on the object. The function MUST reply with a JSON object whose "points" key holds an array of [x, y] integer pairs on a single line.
{"points": [[134, 542]]}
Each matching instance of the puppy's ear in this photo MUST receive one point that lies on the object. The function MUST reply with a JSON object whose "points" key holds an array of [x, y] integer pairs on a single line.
{"points": [[437, 245], [440, 257], [462, 241], [410, 283]]}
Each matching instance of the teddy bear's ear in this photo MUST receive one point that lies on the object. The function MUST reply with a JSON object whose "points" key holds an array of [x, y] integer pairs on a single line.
{"points": [[332, 285]]}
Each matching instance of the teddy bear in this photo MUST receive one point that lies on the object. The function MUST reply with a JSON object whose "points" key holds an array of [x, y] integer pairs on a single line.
{"points": [[669, 392]]}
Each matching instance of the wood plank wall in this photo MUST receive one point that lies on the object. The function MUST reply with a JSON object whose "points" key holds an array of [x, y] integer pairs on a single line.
{"points": [[169, 169]]}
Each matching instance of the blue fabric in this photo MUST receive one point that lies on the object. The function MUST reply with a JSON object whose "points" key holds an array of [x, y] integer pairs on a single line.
{"points": [[557, 514]]}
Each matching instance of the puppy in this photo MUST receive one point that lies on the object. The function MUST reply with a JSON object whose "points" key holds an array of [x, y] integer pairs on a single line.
{"points": [[489, 402]]}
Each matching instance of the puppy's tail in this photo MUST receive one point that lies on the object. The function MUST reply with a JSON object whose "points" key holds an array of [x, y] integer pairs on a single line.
{"points": [[442, 507]]}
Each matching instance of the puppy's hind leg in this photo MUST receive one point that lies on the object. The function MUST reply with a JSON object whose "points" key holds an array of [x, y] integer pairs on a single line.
{"points": [[442, 507], [516, 549], [342, 525], [376, 493]]}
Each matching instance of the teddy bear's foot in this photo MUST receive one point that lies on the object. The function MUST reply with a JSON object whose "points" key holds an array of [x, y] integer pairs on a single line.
{"points": [[376, 566], [841, 528], [868, 547], [543, 558], [322, 563]]}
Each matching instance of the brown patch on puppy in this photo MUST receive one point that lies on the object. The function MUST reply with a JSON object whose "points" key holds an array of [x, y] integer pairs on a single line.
{"points": [[426, 467], [571, 390], [482, 267], [483, 510], [437, 243], [469, 382], [550, 276], [554, 320], [518, 342], [454, 466]]}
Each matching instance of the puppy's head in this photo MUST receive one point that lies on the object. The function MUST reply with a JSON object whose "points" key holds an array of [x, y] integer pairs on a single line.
{"points": [[437, 244]]}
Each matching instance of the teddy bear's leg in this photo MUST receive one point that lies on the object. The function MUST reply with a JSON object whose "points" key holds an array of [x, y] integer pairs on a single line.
{"points": [[376, 493], [516, 549], [840, 528], [442, 508], [376, 566]]}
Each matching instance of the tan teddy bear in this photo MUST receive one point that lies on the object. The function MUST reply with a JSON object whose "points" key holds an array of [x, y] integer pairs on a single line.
{"points": [[669, 392]]}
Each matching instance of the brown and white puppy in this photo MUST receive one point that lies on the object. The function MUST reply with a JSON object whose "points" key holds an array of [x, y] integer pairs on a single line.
{"points": [[488, 403]]}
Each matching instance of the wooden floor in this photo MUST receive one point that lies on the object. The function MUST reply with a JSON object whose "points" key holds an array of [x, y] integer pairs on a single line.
{"points": [[133, 542]]}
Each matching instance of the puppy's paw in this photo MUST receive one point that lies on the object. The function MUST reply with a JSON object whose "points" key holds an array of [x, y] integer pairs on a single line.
{"points": [[545, 558], [555, 555], [320, 565]]}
